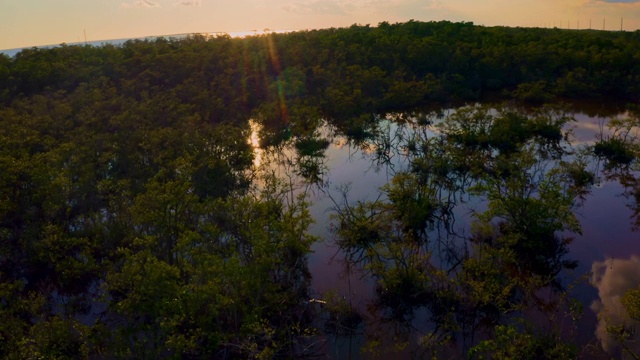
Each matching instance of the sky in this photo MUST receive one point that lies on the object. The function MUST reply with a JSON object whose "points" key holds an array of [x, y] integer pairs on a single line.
{"points": [[25, 23]]}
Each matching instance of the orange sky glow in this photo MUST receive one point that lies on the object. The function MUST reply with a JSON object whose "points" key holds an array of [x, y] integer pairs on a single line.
{"points": [[25, 23]]}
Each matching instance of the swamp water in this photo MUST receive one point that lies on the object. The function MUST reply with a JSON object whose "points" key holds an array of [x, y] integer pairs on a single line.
{"points": [[338, 174]]}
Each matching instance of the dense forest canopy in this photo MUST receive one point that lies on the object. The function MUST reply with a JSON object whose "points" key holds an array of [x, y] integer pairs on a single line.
{"points": [[134, 224], [432, 61]]}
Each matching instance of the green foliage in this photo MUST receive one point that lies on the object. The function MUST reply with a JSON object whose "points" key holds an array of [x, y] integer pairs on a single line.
{"points": [[614, 150], [533, 92], [621, 147], [624, 331], [55, 338], [234, 283], [631, 302], [510, 343], [343, 319], [127, 226]]}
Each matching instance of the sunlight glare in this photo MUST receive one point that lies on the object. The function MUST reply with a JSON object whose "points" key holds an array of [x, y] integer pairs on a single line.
{"points": [[254, 141]]}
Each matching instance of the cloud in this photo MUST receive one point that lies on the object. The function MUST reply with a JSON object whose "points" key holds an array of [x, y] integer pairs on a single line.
{"points": [[140, 4], [420, 9], [337, 7], [332, 7], [410, 8], [188, 3], [612, 279], [434, 4]]}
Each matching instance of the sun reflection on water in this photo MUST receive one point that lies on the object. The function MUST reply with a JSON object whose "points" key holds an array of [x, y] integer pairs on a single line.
{"points": [[254, 141]]}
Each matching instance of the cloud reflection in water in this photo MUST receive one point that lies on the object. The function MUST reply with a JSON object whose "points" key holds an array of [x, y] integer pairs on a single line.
{"points": [[613, 278]]}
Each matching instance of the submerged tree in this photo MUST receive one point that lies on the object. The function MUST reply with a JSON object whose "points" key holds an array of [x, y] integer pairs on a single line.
{"points": [[511, 165], [618, 150]]}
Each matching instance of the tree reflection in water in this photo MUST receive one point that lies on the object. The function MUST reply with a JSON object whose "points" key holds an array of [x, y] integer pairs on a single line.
{"points": [[618, 280], [446, 287], [476, 286]]}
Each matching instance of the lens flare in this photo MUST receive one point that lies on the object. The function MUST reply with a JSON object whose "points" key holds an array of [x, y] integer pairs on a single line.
{"points": [[277, 65]]}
